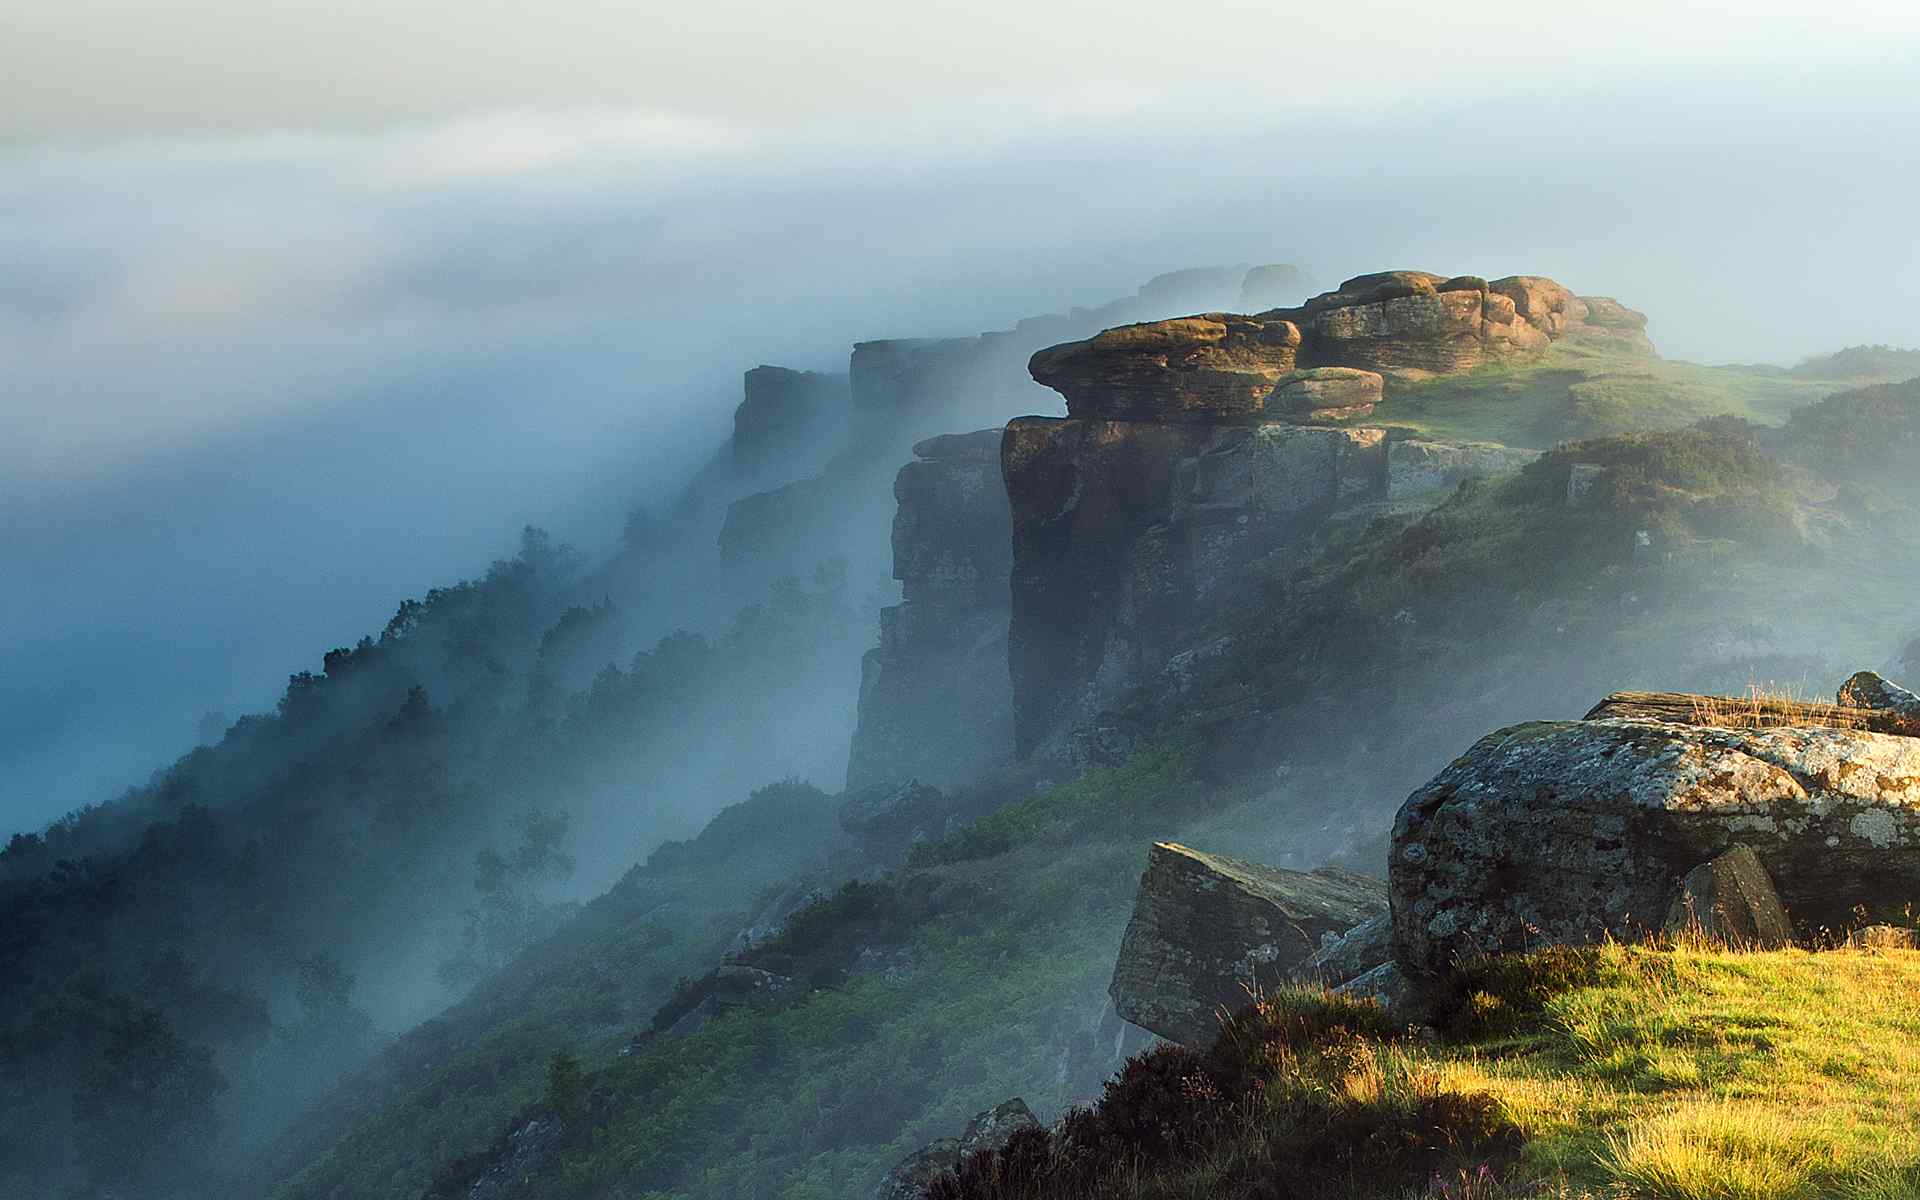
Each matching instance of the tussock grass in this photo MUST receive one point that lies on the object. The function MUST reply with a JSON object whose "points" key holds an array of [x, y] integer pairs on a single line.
{"points": [[1763, 707]]}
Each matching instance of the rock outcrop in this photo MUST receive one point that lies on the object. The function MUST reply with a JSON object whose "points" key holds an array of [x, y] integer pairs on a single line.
{"points": [[1207, 928], [1126, 534], [777, 527], [1323, 394], [886, 819], [1197, 445], [1869, 691], [1210, 368], [788, 414], [935, 699], [1569, 831], [1413, 324]]}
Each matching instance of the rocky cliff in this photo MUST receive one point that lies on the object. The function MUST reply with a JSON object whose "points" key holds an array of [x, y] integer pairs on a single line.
{"points": [[1126, 535], [1196, 445], [788, 414], [899, 392], [935, 701]]}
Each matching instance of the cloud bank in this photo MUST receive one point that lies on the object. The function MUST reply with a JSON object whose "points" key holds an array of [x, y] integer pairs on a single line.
{"points": [[256, 389]]}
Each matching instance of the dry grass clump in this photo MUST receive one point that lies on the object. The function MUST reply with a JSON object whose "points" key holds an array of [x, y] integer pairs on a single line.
{"points": [[1770, 707]]}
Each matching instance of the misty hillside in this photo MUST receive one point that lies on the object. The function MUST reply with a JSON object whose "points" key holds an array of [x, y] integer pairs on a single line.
{"points": [[268, 911], [748, 856]]}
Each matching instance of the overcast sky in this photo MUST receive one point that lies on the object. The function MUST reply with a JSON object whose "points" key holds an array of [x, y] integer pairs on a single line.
{"points": [[116, 67], [305, 309]]}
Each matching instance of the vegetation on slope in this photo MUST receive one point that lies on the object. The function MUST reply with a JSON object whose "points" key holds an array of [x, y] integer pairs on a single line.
{"points": [[1574, 392], [1673, 1072], [758, 1103]]}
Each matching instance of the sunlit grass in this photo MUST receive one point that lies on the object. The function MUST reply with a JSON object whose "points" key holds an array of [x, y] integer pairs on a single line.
{"points": [[1697, 1073]]}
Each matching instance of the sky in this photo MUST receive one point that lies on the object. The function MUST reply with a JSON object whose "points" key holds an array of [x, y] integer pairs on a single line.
{"points": [[306, 308]]}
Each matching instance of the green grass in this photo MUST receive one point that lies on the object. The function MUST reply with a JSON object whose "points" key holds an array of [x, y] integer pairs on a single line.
{"points": [[1697, 1073], [1657, 1073], [1574, 392]]}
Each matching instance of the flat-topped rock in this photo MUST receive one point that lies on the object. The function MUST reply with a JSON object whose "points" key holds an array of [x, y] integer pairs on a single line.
{"points": [[1570, 831], [1206, 928], [1213, 367], [1441, 332]]}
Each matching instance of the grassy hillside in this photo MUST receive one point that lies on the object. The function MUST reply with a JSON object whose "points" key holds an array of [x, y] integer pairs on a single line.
{"points": [[1574, 392], [1686, 1072], [977, 971]]}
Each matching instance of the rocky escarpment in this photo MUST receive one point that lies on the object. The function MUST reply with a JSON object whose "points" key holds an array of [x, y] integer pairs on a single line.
{"points": [[1573, 830], [1126, 534], [935, 701], [899, 392], [1403, 324], [1209, 932], [1197, 445]]}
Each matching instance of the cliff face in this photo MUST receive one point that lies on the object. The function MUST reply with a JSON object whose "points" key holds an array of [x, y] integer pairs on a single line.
{"points": [[896, 394], [935, 702], [788, 414], [1197, 444], [1126, 532]]}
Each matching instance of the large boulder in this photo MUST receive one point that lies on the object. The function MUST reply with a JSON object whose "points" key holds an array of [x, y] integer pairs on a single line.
{"points": [[1207, 930], [1210, 368], [1569, 831]]}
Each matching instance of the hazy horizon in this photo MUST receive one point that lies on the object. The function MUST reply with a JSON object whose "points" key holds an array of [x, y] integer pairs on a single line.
{"points": [[259, 381]]}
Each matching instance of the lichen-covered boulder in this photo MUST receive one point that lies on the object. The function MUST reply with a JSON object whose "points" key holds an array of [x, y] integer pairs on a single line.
{"points": [[1732, 899], [1206, 929], [1210, 368], [1568, 831]]}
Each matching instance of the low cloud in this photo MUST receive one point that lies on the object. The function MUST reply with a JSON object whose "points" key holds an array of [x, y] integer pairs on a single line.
{"points": [[255, 390]]}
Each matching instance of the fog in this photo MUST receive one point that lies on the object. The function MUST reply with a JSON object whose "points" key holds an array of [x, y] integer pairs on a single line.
{"points": [[255, 390]]}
